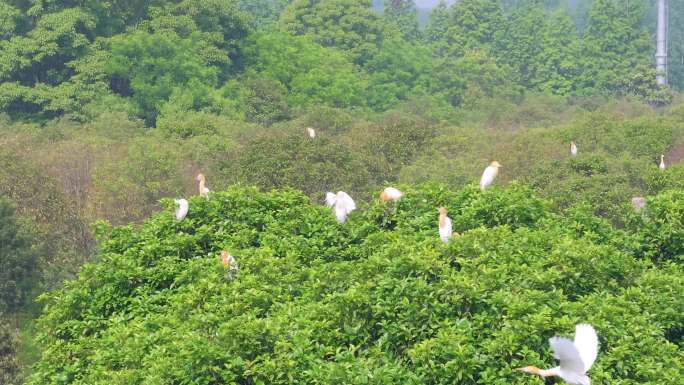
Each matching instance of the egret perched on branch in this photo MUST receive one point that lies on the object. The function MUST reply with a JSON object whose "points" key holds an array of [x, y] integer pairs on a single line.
{"points": [[342, 204], [661, 166], [230, 264], [576, 357], [182, 209], [639, 203], [203, 190], [489, 174], [311, 132], [444, 225], [390, 194], [573, 148]]}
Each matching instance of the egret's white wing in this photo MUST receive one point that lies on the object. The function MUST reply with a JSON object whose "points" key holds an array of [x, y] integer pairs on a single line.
{"points": [[566, 352], [330, 199], [586, 342], [182, 209], [344, 201], [487, 176], [340, 214], [446, 230], [393, 193]]}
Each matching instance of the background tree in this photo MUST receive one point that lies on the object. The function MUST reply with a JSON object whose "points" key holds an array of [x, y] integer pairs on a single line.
{"points": [[349, 25], [403, 14], [614, 45]]}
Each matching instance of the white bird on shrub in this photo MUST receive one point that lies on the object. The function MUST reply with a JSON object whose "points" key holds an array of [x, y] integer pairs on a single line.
{"points": [[311, 132], [576, 357], [573, 148], [182, 209], [203, 190], [639, 203], [445, 230], [390, 194], [661, 166], [489, 174], [342, 204], [230, 264]]}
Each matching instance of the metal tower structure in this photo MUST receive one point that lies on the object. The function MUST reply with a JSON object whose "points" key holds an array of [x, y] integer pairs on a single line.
{"points": [[661, 43]]}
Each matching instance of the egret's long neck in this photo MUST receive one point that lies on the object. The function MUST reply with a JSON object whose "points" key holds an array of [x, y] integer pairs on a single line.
{"points": [[549, 372], [201, 185]]}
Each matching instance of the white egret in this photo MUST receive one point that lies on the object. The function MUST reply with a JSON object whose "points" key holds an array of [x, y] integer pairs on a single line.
{"points": [[445, 230], [639, 203], [230, 264], [203, 190], [390, 194], [342, 204], [330, 199], [489, 174], [661, 166], [311, 132], [573, 148], [182, 209], [576, 357]]}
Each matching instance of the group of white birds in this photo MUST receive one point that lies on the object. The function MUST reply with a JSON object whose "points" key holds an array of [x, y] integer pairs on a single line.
{"points": [[576, 356], [342, 204]]}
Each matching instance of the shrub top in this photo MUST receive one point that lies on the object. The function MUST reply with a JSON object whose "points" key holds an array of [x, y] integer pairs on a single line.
{"points": [[377, 300]]}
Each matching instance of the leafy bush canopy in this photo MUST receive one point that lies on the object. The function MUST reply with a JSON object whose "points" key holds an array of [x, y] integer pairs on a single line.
{"points": [[18, 262], [378, 300]]}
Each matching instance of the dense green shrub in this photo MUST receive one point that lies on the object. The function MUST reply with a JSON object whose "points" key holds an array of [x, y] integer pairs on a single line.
{"points": [[19, 269], [292, 159], [377, 300], [10, 369], [661, 228]]}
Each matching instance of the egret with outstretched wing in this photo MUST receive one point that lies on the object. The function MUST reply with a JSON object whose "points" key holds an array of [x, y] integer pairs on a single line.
{"points": [[576, 357]]}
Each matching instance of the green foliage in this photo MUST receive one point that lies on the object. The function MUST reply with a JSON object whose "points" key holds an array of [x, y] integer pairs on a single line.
{"points": [[264, 12], [129, 188], [350, 25], [311, 74], [369, 301], [404, 15], [615, 43], [10, 370], [293, 160], [398, 71], [661, 228], [473, 25], [19, 268], [544, 49], [152, 67]]}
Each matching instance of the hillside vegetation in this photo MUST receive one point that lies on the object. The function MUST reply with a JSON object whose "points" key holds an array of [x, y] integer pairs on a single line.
{"points": [[378, 300]]}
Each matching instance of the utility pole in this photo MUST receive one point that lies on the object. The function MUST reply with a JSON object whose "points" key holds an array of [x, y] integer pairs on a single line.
{"points": [[661, 43]]}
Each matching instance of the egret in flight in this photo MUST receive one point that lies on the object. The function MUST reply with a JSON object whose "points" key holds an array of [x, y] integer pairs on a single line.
{"points": [[444, 225], [489, 174], [390, 194], [342, 204], [182, 209], [576, 357], [203, 190]]}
